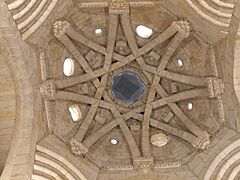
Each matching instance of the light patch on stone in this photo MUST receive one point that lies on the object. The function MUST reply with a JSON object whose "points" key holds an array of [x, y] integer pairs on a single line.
{"points": [[159, 139]]}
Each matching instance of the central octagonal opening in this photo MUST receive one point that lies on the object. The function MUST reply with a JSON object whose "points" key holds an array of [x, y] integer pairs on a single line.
{"points": [[127, 87]]}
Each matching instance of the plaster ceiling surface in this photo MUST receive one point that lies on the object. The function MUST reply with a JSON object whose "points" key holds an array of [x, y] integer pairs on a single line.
{"points": [[169, 88]]}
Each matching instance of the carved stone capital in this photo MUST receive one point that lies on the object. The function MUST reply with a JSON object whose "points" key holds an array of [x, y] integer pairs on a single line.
{"points": [[59, 28], [78, 148], [118, 7], [202, 141], [183, 27], [144, 164], [48, 90], [215, 87]]}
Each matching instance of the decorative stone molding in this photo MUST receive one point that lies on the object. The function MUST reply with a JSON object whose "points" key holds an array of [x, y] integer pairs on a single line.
{"points": [[48, 90], [105, 4], [216, 132], [215, 87], [221, 111], [167, 10], [202, 141], [93, 5], [168, 165], [118, 7], [59, 28], [144, 4], [95, 163], [43, 64], [144, 164], [78, 148], [190, 158], [120, 168], [212, 60], [183, 27], [49, 116], [158, 166]]}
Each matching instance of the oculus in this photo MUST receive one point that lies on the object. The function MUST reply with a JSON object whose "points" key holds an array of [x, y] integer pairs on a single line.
{"points": [[75, 112], [143, 31], [68, 67], [179, 63], [98, 32], [189, 106], [113, 141], [127, 87]]}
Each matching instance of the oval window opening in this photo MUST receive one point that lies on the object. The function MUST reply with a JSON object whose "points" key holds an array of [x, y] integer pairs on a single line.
{"points": [[144, 32], [75, 112], [68, 67], [190, 106], [179, 63], [98, 32], [114, 141]]}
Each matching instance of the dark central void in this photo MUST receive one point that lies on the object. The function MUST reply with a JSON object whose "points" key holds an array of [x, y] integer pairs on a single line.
{"points": [[127, 87]]}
